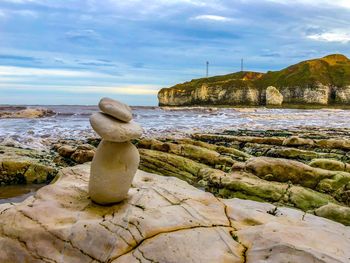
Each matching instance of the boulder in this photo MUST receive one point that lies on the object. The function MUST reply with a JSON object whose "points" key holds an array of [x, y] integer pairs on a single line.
{"points": [[297, 141], [163, 220], [273, 96], [24, 171], [334, 143], [198, 153], [342, 95], [328, 164], [240, 139], [66, 150], [283, 170], [335, 212], [82, 156]]}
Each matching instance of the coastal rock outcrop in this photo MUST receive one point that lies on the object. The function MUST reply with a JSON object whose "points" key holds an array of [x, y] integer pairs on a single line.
{"points": [[343, 95], [323, 81], [305, 169], [26, 113], [273, 96], [72, 152], [23, 166], [160, 221], [116, 159]]}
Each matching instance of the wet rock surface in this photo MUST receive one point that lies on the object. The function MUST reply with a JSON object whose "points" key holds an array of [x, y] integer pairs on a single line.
{"points": [[23, 112], [160, 221], [304, 169], [24, 166], [71, 152]]}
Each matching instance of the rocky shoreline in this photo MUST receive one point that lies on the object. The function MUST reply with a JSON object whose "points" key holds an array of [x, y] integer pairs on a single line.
{"points": [[15, 112], [240, 196], [305, 169], [164, 219]]}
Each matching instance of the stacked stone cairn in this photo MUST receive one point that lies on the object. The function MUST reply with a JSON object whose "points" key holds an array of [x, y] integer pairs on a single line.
{"points": [[116, 160]]}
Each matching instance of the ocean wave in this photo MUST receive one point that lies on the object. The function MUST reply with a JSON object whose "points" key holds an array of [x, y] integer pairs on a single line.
{"points": [[194, 108], [67, 114], [72, 122]]}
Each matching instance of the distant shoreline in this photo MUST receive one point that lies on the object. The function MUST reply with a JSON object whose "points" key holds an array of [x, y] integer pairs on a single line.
{"points": [[284, 106]]}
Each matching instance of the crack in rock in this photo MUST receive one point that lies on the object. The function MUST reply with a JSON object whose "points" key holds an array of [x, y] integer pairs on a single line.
{"points": [[56, 236], [160, 233]]}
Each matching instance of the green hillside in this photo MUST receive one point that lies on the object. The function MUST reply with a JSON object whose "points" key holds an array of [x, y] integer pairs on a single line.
{"points": [[331, 70], [241, 78]]}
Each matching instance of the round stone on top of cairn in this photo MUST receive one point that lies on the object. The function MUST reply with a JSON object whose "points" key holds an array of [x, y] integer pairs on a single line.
{"points": [[116, 109], [116, 159]]}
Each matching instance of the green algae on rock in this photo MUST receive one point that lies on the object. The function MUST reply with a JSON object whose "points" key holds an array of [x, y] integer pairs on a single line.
{"points": [[23, 166], [248, 165]]}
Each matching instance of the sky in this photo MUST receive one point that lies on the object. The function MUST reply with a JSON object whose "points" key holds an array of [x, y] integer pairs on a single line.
{"points": [[77, 51]]}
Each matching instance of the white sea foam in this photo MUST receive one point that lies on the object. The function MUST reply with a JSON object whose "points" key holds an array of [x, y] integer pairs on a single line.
{"points": [[72, 122]]}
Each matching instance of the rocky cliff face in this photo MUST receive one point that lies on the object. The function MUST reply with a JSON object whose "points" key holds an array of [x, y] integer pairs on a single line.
{"points": [[215, 95], [342, 95], [322, 81]]}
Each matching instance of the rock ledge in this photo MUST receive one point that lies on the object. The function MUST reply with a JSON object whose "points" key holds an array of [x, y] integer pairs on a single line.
{"points": [[163, 219]]}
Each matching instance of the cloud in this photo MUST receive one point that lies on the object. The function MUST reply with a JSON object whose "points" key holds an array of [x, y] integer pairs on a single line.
{"points": [[2, 14], [270, 55], [83, 36], [26, 13], [130, 89], [18, 58], [212, 18], [24, 71], [319, 3], [341, 37], [75, 43], [20, 1]]}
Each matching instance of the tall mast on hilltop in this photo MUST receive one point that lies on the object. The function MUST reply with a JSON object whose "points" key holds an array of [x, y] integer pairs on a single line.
{"points": [[207, 68], [242, 64]]}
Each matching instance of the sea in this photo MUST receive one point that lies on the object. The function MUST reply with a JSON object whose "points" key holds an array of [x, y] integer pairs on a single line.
{"points": [[72, 122]]}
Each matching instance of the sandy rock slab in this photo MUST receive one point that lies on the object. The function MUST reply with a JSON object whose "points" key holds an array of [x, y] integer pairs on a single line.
{"points": [[163, 219]]}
